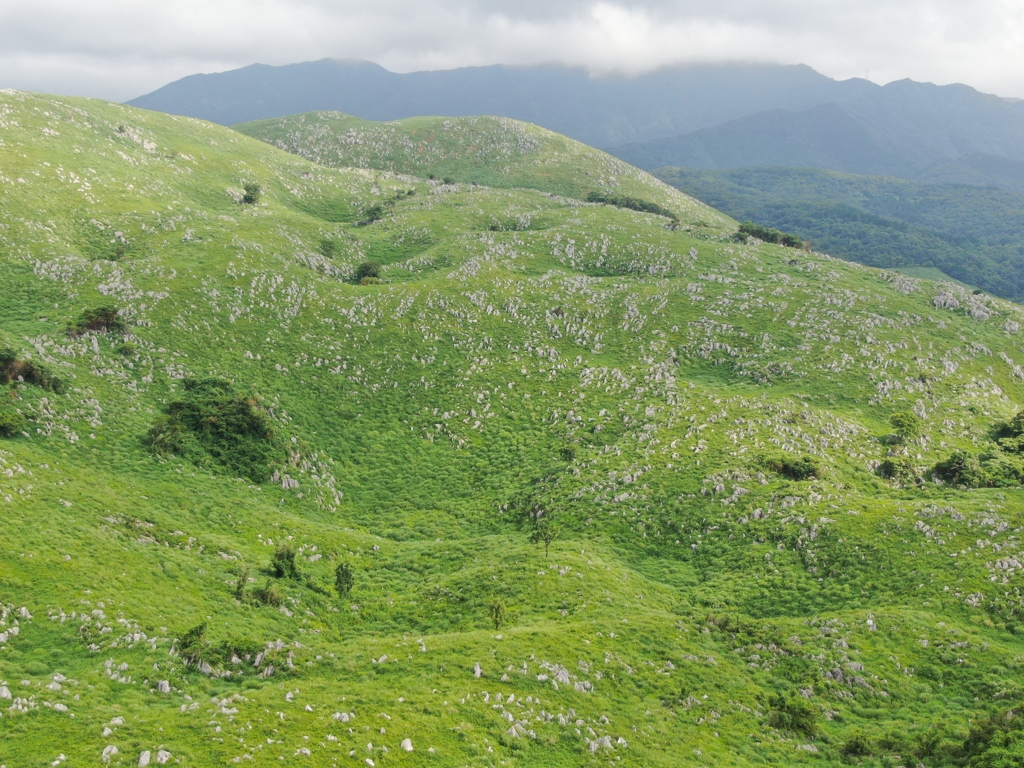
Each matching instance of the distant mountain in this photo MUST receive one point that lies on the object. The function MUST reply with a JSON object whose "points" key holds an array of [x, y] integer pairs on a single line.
{"points": [[600, 111], [907, 129], [975, 234]]}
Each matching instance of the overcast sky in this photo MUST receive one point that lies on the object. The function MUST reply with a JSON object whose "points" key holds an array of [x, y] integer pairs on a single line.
{"points": [[118, 49]]}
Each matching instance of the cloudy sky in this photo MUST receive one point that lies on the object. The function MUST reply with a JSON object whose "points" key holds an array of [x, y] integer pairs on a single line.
{"points": [[118, 49]]}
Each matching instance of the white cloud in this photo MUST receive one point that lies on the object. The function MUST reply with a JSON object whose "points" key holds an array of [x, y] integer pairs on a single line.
{"points": [[122, 48]]}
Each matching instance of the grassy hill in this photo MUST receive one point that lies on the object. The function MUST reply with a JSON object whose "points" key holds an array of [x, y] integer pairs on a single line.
{"points": [[972, 233], [253, 511], [492, 151]]}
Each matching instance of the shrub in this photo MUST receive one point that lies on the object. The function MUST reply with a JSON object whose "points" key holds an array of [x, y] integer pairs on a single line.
{"points": [[898, 468], [367, 269], [632, 203], [328, 248], [963, 469], [282, 564], [212, 424], [344, 579], [103, 319], [856, 746], [241, 581], [375, 212], [795, 468], [12, 423], [13, 368], [497, 611], [267, 594], [792, 713], [768, 235], [251, 194], [192, 645], [907, 424]]}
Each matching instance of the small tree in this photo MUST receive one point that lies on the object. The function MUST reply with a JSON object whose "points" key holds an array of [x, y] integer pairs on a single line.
{"points": [[496, 609], [344, 579], [252, 193], [538, 520], [283, 565]]}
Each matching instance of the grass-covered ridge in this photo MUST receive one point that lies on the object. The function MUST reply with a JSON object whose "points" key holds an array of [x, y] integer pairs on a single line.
{"points": [[693, 426], [492, 151]]}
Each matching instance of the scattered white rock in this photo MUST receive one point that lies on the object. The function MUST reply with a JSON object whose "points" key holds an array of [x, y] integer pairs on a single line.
{"points": [[144, 759], [164, 686], [407, 745], [108, 753]]}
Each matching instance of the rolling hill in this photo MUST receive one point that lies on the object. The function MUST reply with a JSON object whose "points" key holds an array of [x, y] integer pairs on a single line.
{"points": [[556, 483]]}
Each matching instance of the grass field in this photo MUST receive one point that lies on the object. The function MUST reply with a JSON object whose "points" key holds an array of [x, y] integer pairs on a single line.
{"points": [[693, 427]]}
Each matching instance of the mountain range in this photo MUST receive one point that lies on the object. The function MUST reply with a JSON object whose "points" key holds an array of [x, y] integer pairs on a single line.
{"points": [[710, 116]]}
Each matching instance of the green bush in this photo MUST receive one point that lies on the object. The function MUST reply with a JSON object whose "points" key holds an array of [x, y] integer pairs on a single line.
{"points": [[103, 319], [282, 564], [192, 646], [898, 468], [267, 594], [367, 269], [793, 467], [632, 203], [768, 235], [963, 469], [13, 368], [344, 579], [497, 611], [212, 424], [328, 248], [251, 194], [12, 423], [793, 713], [908, 425]]}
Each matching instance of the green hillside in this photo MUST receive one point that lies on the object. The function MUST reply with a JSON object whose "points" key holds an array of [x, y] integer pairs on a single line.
{"points": [[493, 151], [973, 233], [566, 484]]}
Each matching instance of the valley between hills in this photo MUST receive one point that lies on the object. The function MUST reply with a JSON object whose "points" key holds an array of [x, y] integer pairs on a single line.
{"points": [[457, 442]]}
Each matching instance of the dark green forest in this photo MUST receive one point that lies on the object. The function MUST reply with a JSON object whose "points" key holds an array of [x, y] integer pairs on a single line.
{"points": [[972, 233]]}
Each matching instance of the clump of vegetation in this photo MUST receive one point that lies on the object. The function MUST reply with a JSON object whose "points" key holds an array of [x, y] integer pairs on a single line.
{"points": [[282, 564], [899, 469], [267, 594], [105, 319], [368, 270], [328, 248], [12, 423], [749, 229], [963, 469], [632, 203], [17, 369], [793, 467], [793, 713], [213, 424], [908, 425], [344, 579], [497, 611], [192, 645], [251, 192], [375, 212]]}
